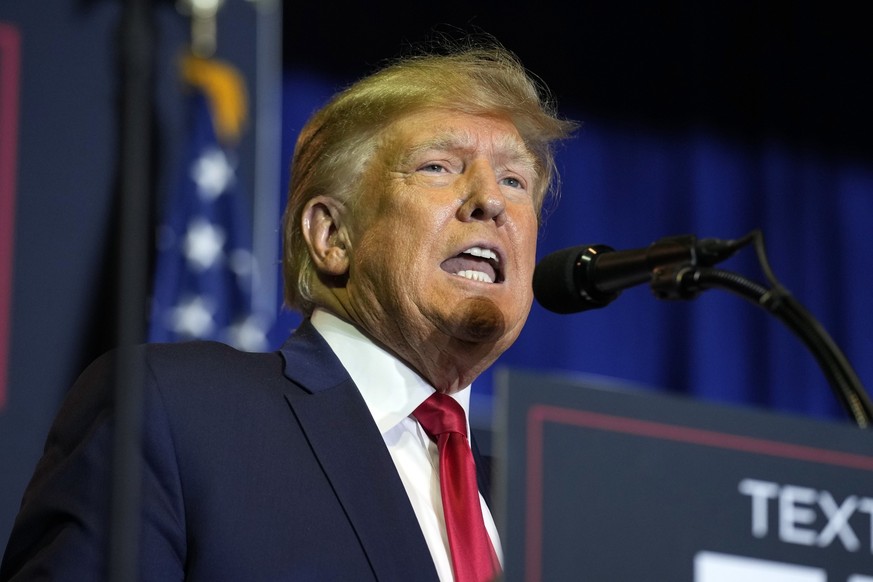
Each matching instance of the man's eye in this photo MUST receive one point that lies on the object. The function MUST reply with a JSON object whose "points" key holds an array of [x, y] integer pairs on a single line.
{"points": [[513, 182], [433, 167]]}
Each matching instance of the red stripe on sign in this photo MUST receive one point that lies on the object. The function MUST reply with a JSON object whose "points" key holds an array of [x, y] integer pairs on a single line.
{"points": [[539, 415], [10, 59]]}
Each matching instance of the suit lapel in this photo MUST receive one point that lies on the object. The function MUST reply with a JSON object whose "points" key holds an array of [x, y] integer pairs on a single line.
{"points": [[353, 455]]}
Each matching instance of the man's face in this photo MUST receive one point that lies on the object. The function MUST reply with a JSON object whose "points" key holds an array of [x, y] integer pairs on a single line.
{"points": [[444, 235]]}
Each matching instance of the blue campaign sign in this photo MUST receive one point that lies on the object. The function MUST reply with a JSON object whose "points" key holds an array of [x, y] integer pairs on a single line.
{"points": [[601, 482]]}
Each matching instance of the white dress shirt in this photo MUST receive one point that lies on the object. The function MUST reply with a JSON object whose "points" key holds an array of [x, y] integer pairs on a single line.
{"points": [[392, 391]]}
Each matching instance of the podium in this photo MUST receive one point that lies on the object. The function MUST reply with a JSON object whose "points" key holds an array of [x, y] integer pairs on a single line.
{"points": [[613, 483]]}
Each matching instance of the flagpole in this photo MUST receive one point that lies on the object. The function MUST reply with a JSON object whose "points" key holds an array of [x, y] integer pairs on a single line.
{"points": [[267, 200], [136, 43]]}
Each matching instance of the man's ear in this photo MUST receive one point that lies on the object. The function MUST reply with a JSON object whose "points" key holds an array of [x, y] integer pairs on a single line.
{"points": [[326, 235]]}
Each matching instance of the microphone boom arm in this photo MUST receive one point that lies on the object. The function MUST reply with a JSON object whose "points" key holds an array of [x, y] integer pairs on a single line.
{"points": [[684, 281]]}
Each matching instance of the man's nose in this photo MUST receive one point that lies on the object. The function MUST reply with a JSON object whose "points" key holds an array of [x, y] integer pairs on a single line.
{"points": [[483, 198]]}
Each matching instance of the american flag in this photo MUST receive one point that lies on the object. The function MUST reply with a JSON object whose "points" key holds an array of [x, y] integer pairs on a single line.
{"points": [[204, 265]]}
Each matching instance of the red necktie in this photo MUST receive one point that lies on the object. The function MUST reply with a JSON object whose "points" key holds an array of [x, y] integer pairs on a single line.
{"points": [[473, 556]]}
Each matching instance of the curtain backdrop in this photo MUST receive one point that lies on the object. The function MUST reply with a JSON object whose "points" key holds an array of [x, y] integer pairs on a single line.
{"points": [[628, 186]]}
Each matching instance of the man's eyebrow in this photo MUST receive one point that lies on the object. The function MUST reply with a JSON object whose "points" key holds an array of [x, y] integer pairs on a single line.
{"points": [[514, 153], [446, 142]]}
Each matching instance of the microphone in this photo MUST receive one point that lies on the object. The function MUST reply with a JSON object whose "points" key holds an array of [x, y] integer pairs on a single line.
{"points": [[592, 276]]}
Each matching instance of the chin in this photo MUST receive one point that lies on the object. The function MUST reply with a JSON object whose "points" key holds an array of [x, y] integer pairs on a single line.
{"points": [[479, 320]]}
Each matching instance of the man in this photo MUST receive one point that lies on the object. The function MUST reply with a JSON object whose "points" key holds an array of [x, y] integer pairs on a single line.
{"points": [[410, 238]]}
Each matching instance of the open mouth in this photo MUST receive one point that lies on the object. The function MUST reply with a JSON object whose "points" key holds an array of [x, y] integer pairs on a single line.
{"points": [[477, 264]]}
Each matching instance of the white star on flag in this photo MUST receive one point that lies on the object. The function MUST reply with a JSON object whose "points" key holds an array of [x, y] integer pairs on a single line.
{"points": [[212, 172], [248, 334], [204, 244], [193, 318]]}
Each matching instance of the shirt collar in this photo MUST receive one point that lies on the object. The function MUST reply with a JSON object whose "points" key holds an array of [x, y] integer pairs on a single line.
{"points": [[390, 388]]}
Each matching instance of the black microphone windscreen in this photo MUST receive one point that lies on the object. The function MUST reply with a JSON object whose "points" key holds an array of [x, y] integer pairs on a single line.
{"points": [[554, 281]]}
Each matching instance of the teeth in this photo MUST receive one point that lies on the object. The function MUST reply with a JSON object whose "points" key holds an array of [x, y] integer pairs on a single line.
{"points": [[484, 253], [475, 276]]}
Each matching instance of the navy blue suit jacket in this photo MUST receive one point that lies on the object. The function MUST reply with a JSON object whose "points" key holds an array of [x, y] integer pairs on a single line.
{"points": [[256, 467]]}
